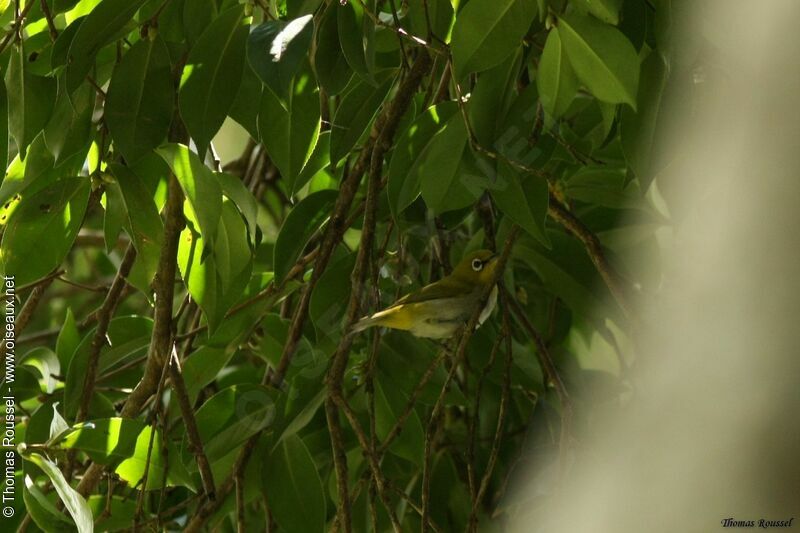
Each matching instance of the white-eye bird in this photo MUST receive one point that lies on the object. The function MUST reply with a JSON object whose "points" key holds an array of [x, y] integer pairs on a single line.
{"points": [[437, 310]]}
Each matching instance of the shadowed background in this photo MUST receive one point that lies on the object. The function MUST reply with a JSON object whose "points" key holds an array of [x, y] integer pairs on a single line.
{"points": [[711, 430]]}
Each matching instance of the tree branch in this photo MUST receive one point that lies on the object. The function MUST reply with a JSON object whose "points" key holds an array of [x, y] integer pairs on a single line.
{"points": [[160, 342], [382, 133], [99, 339], [463, 340], [571, 223], [190, 423]]}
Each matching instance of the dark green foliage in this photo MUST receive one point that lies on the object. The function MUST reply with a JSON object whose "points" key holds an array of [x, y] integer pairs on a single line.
{"points": [[542, 116]]}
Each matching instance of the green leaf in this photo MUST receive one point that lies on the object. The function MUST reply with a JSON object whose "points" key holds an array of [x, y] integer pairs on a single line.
{"points": [[488, 31], [354, 115], [144, 224], [568, 273], [438, 166], [34, 173], [404, 175], [115, 215], [202, 367], [59, 54], [290, 135], [43, 511], [303, 417], [292, 483], [233, 188], [319, 159], [276, 49], [605, 10], [242, 109], [491, 97], [524, 201], [302, 221], [68, 339], [330, 64], [390, 402], [58, 426], [604, 186], [102, 25], [216, 281], [330, 296], [140, 99], [3, 127], [199, 184], [603, 59], [439, 12], [517, 127], [555, 79], [30, 100], [46, 363], [127, 338], [74, 503], [354, 30], [123, 443], [120, 515], [196, 17], [41, 230], [640, 128], [232, 416], [212, 76], [70, 127]]}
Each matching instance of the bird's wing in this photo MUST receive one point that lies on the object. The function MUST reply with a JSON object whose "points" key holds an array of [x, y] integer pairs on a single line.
{"points": [[441, 289]]}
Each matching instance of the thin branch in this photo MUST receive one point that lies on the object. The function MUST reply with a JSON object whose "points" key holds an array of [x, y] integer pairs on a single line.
{"points": [[190, 423], [549, 370], [463, 341], [501, 418], [99, 340], [239, 483], [28, 309], [382, 133], [160, 341], [16, 27], [339, 464], [49, 18], [209, 507], [560, 214]]}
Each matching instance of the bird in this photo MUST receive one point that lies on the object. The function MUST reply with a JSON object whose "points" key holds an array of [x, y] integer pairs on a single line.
{"points": [[437, 310]]}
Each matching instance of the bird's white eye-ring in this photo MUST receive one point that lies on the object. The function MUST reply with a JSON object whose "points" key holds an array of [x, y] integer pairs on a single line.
{"points": [[477, 265]]}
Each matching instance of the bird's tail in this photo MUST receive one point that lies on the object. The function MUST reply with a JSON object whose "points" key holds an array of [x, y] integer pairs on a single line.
{"points": [[381, 318], [364, 323]]}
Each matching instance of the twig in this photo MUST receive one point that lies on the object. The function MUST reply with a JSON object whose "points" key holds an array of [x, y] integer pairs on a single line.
{"points": [[501, 418], [372, 460], [398, 30], [239, 483], [209, 507], [28, 308], [158, 351], [100, 335], [384, 127], [463, 340], [339, 464], [549, 370], [155, 414], [190, 423], [475, 422], [49, 18], [16, 26], [557, 212]]}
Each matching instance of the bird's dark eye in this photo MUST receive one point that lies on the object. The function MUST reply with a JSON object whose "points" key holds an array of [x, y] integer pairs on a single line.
{"points": [[477, 265]]}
